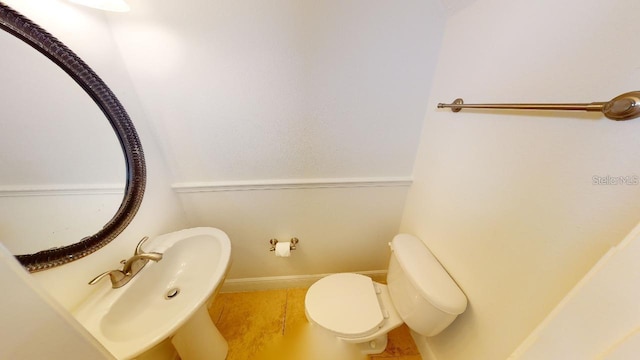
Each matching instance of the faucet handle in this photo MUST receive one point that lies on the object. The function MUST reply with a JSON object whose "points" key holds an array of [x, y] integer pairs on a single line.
{"points": [[116, 276], [139, 246], [99, 277]]}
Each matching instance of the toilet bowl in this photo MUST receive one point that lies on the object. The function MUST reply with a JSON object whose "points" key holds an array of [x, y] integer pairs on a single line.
{"points": [[419, 292], [354, 308]]}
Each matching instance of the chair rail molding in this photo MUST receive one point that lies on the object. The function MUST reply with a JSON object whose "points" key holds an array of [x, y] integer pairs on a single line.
{"points": [[280, 184]]}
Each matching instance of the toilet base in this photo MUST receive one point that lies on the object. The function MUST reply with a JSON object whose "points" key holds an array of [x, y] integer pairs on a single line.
{"points": [[372, 347]]}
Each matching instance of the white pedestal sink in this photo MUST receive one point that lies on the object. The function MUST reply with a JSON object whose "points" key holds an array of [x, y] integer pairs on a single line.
{"points": [[167, 299]]}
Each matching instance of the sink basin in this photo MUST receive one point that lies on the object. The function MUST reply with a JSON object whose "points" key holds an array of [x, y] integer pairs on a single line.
{"points": [[167, 299]]}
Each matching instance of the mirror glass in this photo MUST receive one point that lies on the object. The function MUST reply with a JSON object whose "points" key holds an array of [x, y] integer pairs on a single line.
{"points": [[63, 171]]}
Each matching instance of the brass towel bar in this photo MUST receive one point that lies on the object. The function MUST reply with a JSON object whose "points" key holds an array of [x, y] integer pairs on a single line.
{"points": [[622, 107]]}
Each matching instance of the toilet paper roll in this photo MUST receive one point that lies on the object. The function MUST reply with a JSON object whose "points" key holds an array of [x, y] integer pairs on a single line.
{"points": [[283, 249]]}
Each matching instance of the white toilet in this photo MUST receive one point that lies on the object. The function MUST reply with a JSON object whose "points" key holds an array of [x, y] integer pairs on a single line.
{"points": [[419, 292]]}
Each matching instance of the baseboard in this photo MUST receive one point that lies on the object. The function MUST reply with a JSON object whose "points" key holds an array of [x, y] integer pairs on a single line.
{"points": [[286, 282]]}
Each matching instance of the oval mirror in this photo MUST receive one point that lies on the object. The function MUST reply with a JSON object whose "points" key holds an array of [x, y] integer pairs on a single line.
{"points": [[62, 166], [29, 174]]}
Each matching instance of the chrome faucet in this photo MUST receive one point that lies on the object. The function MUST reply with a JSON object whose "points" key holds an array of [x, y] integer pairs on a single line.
{"points": [[130, 267]]}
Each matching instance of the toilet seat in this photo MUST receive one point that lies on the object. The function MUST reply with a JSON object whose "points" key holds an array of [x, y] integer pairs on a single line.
{"points": [[345, 304]]}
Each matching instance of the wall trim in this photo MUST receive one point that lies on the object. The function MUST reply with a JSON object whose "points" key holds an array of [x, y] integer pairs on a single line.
{"points": [[279, 184], [58, 190], [286, 282]]}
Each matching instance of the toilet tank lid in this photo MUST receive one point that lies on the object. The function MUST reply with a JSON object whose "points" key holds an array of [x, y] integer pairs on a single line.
{"points": [[427, 275]]}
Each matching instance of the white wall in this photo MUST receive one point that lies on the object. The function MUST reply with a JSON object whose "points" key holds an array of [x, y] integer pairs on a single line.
{"points": [[341, 229], [35, 326], [506, 200], [287, 91], [328, 93], [86, 32], [597, 316]]}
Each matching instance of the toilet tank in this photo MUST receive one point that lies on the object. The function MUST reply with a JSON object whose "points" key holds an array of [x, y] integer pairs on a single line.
{"points": [[422, 291]]}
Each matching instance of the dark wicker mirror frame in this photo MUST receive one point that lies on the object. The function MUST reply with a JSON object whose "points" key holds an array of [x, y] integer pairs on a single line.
{"points": [[22, 28]]}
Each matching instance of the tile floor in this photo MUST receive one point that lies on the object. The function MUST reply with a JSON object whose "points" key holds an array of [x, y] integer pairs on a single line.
{"points": [[271, 325]]}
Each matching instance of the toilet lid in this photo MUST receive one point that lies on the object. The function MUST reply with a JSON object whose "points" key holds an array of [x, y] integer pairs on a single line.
{"points": [[345, 304]]}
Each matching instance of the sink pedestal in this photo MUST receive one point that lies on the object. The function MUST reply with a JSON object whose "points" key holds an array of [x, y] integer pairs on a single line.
{"points": [[199, 339]]}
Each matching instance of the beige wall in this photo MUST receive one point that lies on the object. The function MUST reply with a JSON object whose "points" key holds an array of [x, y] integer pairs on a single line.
{"points": [[506, 200]]}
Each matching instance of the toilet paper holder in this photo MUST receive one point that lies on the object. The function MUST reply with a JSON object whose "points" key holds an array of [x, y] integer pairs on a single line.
{"points": [[293, 242]]}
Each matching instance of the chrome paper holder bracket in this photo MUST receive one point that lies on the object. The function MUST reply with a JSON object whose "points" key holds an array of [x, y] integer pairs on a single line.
{"points": [[622, 107], [293, 242]]}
